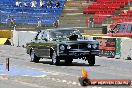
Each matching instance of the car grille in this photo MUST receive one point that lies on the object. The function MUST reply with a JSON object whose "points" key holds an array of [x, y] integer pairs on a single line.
{"points": [[78, 46]]}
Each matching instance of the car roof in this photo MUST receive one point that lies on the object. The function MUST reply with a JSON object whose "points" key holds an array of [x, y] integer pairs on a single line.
{"points": [[125, 23], [61, 29]]}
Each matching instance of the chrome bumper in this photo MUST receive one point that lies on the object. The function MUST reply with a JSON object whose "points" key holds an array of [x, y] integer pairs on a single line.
{"points": [[80, 53]]}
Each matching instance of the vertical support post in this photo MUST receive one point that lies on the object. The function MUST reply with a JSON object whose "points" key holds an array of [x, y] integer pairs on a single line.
{"points": [[7, 64]]}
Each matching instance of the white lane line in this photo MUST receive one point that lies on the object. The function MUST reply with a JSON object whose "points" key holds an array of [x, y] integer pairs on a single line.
{"points": [[63, 81]]}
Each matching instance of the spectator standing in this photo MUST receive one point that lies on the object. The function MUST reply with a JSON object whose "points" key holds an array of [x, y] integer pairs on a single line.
{"points": [[42, 3], [56, 23], [18, 3], [49, 4], [91, 22], [33, 3], [39, 22], [11, 22], [57, 5]]}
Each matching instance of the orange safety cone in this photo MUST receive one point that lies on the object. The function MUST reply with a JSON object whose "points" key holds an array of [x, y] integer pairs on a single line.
{"points": [[84, 80]]}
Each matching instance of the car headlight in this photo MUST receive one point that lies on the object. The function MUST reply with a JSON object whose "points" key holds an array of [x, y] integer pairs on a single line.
{"points": [[89, 45], [62, 47], [94, 46]]}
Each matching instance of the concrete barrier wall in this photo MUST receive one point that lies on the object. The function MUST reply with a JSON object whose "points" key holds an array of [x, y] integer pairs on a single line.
{"points": [[126, 48], [20, 38]]}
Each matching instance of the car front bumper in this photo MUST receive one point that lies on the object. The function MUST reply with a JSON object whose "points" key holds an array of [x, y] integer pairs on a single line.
{"points": [[79, 53]]}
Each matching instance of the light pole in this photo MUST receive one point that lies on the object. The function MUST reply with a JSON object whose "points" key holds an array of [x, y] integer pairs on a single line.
{"points": [[13, 35], [13, 25]]}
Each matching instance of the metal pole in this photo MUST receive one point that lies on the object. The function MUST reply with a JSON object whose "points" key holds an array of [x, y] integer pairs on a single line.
{"points": [[7, 64], [12, 38], [13, 34], [18, 38]]}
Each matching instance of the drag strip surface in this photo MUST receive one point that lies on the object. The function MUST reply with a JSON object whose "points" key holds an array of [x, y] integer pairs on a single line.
{"points": [[45, 75]]}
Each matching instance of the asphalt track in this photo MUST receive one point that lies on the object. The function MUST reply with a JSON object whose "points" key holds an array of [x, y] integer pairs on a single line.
{"points": [[26, 74]]}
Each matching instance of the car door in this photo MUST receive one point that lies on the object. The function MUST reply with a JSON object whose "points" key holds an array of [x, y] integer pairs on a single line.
{"points": [[43, 49]]}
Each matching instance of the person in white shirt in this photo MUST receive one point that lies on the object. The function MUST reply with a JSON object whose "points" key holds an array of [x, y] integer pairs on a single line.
{"points": [[42, 2], [18, 3], [33, 3]]}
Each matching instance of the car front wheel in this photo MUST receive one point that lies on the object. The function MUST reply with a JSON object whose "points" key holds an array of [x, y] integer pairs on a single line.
{"points": [[91, 59], [55, 59], [68, 61], [34, 58]]}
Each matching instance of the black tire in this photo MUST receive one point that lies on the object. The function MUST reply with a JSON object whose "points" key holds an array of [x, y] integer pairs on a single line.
{"points": [[55, 59], [91, 59], [68, 61], [34, 58]]}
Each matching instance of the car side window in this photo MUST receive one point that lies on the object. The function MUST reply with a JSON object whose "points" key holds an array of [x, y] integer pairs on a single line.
{"points": [[122, 28], [129, 29], [45, 36]]}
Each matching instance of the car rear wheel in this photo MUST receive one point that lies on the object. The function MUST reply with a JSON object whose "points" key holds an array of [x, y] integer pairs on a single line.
{"points": [[91, 59], [55, 59], [34, 58]]}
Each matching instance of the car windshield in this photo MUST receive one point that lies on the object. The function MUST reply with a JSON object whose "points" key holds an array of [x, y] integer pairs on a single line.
{"points": [[119, 28], [63, 34]]}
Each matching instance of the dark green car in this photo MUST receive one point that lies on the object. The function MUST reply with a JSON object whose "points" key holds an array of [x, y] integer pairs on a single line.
{"points": [[62, 44]]}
